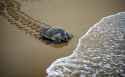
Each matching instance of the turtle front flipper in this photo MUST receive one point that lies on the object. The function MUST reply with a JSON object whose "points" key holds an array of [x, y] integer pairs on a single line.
{"points": [[56, 35]]}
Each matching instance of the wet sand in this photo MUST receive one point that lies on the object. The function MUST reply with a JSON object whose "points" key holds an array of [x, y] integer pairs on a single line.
{"points": [[24, 56]]}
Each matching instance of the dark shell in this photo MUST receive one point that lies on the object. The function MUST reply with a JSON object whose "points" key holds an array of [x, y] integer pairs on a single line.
{"points": [[56, 35]]}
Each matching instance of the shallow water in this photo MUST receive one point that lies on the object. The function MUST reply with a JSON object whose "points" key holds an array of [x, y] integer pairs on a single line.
{"points": [[24, 56]]}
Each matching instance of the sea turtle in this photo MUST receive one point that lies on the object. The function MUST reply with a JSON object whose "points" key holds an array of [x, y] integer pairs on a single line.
{"points": [[56, 35], [11, 10]]}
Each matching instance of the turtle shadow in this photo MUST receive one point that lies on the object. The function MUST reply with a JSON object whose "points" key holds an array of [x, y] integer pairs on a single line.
{"points": [[52, 43]]}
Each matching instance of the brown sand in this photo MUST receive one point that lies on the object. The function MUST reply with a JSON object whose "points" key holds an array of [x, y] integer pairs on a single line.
{"points": [[24, 56]]}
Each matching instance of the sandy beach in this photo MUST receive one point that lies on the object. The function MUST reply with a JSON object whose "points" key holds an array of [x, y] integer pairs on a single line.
{"points": [[23, 56]]}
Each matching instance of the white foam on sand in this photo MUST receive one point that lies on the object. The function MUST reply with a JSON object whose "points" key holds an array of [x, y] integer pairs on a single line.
{"points": [[99, 53]]}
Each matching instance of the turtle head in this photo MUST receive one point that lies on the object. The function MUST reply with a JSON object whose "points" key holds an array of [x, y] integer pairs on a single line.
{"points": [[56, 35]]}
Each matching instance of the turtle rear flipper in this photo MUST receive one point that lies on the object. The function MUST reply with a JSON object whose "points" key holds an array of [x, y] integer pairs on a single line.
{"points": [[56, 35]]}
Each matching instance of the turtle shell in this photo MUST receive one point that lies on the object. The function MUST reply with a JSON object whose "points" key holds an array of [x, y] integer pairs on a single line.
{"points": [[56, 35]]}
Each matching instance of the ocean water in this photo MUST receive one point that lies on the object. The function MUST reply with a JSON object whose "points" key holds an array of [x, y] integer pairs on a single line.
{"points": [[23, 56]]}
